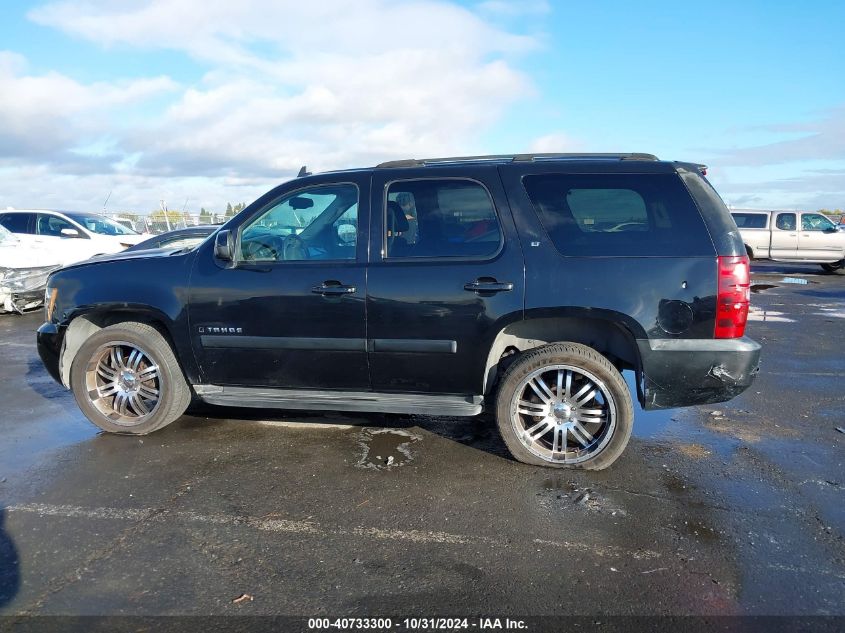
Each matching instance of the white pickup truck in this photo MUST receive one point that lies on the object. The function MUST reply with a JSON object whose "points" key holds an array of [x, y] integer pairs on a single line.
{"points": [[792, 236]]}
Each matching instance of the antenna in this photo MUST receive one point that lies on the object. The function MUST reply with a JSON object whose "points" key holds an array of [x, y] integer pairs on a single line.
{"points": [[106, 202], [303, 172]]}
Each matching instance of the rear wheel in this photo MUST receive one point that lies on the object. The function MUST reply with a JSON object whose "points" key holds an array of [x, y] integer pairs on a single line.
{"points": [[832, 268], [564, 406], [126, 379]]}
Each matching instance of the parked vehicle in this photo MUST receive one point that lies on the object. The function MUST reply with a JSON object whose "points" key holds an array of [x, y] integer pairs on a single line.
{"points": [[71, 236], [776, 235], [179, 238], [508, 297], [23, 273]]}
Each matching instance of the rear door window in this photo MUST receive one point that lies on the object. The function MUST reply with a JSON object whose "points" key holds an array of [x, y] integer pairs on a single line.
{"points": [[618, 214], [786, 221], [441, 218]]}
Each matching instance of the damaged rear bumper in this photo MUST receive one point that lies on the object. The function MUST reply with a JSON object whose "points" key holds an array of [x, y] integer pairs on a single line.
{"points": [[685, 372]]}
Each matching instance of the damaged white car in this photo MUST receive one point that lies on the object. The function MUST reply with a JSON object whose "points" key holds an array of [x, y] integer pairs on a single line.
{"points": [[24, 269]]}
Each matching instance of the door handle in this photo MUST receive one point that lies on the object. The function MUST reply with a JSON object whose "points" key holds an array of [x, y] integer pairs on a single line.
{"points": [[333, 289], [486, 284]]}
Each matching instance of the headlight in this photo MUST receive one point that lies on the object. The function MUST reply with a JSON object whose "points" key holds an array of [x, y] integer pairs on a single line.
{"points": [[25, 279]]}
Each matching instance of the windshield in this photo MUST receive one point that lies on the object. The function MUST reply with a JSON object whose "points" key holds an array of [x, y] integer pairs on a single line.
{"points": [[100, 224]]}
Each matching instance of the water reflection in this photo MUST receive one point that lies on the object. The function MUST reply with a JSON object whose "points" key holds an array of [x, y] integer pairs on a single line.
{"points": [[10, 579]]}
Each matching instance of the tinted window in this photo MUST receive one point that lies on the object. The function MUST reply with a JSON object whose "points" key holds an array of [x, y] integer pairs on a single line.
{"points": [[440, 218], [618, 214], [320, 223], [16, 222], [750, 220], [786, 221]]}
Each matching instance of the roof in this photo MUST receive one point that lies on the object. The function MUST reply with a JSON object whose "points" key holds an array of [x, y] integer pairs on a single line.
{"points": [[514, 158]]}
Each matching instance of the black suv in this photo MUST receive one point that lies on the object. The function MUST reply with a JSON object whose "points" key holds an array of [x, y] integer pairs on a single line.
{"points": [[519, 284]]}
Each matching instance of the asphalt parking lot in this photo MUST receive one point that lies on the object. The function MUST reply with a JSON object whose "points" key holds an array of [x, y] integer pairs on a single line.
{"points": [[731, 509]]}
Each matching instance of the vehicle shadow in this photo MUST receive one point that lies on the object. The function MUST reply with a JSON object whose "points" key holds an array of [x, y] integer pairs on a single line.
{"points": [[10, 580], [42, 383], [478, 432]]}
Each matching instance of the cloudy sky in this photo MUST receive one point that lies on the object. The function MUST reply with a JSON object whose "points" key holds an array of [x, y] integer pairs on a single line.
{"points": [[212, 101]]}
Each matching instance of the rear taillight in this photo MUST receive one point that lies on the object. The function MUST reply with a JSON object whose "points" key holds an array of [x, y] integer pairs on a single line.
{"points": [[732, 298]]}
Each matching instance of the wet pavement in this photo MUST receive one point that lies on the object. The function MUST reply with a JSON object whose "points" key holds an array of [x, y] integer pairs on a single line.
{"points": [[737, 508]]}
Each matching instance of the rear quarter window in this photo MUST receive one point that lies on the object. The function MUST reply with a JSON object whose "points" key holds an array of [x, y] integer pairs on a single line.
{"points": [[16, 222], [623, 215], [750, 220]]}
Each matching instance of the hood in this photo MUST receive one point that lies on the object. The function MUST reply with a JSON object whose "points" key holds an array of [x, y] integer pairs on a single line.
{"points": [[124, 255]]}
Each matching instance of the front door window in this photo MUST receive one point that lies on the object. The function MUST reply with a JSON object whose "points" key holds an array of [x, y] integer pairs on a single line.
{"points": [[319, 223]]}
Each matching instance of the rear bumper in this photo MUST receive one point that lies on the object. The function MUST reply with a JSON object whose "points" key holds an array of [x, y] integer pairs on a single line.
{"points": [[49, 340], [686, 372]]}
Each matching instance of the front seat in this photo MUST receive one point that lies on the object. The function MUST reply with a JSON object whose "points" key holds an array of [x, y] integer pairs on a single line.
{"points": [[397, 225]]}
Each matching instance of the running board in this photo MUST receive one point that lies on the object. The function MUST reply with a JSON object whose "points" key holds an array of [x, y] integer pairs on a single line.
{"points": [[362, 401]]}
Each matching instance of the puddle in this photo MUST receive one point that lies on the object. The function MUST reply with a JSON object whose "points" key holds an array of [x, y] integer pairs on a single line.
{"points": [[384, 449], [767, 316], [755, 288]]}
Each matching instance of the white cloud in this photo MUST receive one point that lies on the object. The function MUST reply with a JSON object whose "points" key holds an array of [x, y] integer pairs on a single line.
{"points": [[331, 84], [554, 143], [820, 139], [43, 117], [512, 8]]}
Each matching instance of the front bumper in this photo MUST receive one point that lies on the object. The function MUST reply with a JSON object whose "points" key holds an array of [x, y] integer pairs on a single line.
{"points": [[50, 338], [686, 372]]}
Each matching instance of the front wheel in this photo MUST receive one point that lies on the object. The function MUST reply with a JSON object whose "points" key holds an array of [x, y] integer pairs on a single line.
{"points": [[126, 379], [565, 406], [832, 268]]}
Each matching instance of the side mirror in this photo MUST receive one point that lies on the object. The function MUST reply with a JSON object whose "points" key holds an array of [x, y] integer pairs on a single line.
{"points": [[69, 233], [224, 246]]}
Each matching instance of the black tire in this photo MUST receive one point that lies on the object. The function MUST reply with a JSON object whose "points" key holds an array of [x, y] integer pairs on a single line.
{"points": [[832, 268], [114, 395], [596, 449]]}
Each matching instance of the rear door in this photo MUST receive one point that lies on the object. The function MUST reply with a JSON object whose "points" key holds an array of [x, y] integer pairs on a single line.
{"points": [[446, 275], [785, 236]]}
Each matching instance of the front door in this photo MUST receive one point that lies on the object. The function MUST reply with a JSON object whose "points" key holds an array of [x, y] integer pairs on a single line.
{"points": [[819, 238], [446, 275], [289, 311]]}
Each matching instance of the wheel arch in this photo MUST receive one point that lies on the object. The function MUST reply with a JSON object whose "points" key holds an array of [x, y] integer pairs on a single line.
{"points": [[613, 338], [85, 323]]}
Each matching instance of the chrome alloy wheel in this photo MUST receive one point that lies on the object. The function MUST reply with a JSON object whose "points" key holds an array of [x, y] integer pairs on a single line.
{"points": [[123, 383], [563, 414]]}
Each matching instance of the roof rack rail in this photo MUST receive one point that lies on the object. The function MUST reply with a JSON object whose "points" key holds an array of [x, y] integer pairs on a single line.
{"points": [[512, 158]]}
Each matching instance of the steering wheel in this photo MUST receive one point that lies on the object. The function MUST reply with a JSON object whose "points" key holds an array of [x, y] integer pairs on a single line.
{"points": [[294, 248], [260, 250]]}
